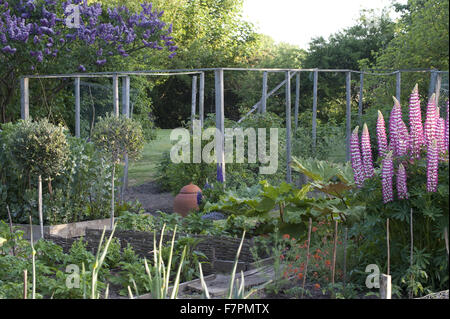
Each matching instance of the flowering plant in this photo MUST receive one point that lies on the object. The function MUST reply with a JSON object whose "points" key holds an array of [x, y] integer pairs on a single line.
{"points": [[411, 173]]}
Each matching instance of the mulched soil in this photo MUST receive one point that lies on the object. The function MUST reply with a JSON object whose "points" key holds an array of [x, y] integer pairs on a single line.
{"points": [[151, 197]]}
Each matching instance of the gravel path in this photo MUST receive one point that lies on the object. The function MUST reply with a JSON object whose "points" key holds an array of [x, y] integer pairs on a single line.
{"points": [[151, 197]]}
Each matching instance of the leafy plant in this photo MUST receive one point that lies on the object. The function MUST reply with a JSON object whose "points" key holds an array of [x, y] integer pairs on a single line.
{"points": [[118, 136]]}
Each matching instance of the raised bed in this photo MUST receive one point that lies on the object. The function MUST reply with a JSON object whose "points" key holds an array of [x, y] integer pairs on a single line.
{"points": [[71, 230]]}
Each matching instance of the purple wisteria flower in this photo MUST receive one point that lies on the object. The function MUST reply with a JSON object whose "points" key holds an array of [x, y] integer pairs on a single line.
{"points": [[358, 169], [402, 189], [415, 122], [431, 121], [381, 136], [366, 153], [43, 22], [432, 166], [387, 172]]}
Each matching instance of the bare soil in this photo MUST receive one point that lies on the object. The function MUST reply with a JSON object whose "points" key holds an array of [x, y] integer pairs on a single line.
{"points": [[151, 197]]}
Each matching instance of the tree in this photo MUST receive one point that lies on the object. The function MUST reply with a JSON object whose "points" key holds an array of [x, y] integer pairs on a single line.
{"points": [[39, 149], [34, 38], [118, 136]]}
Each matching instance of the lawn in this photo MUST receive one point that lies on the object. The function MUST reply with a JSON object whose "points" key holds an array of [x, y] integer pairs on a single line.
{"points": [[143, 170]]}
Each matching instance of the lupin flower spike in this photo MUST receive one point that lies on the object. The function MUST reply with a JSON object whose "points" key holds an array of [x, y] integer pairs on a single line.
{"points": [[381, 136], [366, 153]]}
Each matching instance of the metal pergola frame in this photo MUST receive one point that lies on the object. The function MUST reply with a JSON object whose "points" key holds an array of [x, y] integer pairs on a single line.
{"points": [[435, 86]]}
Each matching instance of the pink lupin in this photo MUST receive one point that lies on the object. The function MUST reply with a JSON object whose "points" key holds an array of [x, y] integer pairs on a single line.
{"points": [[387, 172], [430, 121], [402, 189], [440, 135], [396, 114], [358, 170], [432, 166], [366, 153], [446, 131], [415, 122], [381, 135]]}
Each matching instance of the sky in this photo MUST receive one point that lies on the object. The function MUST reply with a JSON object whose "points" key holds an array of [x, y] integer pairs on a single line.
{"points": [[298, 21]]}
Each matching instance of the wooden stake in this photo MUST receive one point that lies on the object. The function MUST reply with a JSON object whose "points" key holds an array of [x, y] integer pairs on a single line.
{"points": [[345, 255], [25, 284], [41, 217], [33, 291], [333, 268], [388, 249], [307, 256], [11, 230], [446, 238], [411, 293], [385, 287]]}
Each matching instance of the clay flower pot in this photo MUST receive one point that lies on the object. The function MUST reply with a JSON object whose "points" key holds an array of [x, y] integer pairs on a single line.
{"points": [[186, 200]]}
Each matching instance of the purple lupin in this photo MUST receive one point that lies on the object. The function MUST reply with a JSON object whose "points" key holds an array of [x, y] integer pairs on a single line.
{"points": [[387, 172], [402, 189], [432, 166], [358, 170], [366, 153], [394, 121], [415, 122], [430, 121], [381, 136]]}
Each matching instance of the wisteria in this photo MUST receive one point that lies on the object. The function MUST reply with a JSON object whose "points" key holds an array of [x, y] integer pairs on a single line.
{"points": [[415, 122], [402, 189], [381, 136], [387, 173], [357, 165], [40, 25], [366, 153]]}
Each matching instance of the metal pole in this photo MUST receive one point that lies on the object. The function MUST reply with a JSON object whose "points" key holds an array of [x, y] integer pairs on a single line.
{"points": [[126, 96], [220, 115], [116, 95], [194, 99], [433, 78], [288, 127], [201, 97], [398, 82], [297, 100], [126, 112], [263, 105], [77, 107], [24, 98], [314, 115], [438, 87], [41, 216], [349, 112], [360, 102]]}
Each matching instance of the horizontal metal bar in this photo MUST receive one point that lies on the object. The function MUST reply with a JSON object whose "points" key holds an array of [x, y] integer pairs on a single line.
{"points": [[198, 71]]}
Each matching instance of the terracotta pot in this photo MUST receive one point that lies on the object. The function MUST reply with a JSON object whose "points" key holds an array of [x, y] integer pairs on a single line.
{"points": [[186, 200]]}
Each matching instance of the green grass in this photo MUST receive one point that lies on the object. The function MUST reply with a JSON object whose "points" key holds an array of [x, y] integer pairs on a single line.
{"points": [[143, 170]]}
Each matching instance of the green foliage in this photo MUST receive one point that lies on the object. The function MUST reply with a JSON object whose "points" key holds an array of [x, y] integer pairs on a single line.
{"points": [[39, 148], [173, 176], [117, 136], [430, 217], [82, 192]]}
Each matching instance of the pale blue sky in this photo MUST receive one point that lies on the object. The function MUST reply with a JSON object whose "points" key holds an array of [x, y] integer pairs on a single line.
{"points": [[297, 21]]}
